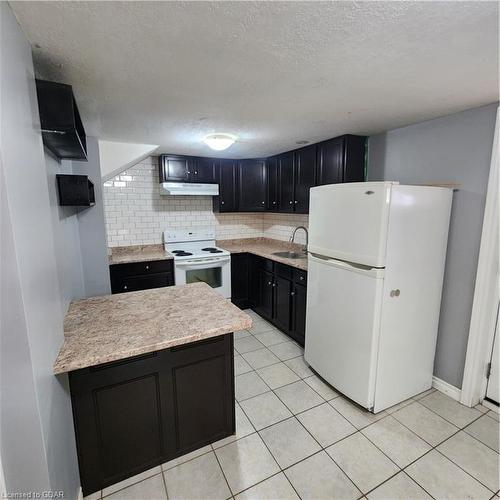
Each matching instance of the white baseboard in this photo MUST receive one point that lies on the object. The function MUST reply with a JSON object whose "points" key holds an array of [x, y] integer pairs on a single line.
{"points": [[448, 389]]}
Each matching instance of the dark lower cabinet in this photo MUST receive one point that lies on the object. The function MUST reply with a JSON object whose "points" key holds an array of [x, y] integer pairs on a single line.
{"points": [[275, 291], [137, 413], [141, 275]]}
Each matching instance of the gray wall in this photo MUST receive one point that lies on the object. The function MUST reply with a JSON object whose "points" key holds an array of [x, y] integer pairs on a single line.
{"points": [[455, 148], [42, 270]]}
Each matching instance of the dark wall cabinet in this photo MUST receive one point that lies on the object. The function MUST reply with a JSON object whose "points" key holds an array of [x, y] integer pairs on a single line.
{"points": [[75, 190], [141, 275], [276, 184], [134, 414], [251, 180], [275, 291], [175, 168]]}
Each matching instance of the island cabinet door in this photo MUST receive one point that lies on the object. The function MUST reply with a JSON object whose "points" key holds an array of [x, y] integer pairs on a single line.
{"points": [[120, 419], [202, 387]]}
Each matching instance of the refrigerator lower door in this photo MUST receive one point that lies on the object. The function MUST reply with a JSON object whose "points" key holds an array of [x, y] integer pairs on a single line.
{"points": [[342, 325]]}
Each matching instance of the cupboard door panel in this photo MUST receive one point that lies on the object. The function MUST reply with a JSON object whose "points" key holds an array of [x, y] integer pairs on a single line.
{"points": [[251, 185], [202, 401], [175, 168], [330, 161], [265, 303], [227, 199], [272, 184], [282, 307], [285, 182], [305, 177], [240, 280], [299, 313], [205, 170]]}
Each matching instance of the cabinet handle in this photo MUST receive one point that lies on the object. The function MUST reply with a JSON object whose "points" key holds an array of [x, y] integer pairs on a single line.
{"points": [[147, 267], [269, 283], [301, 278], [125, 287], [274, 285], [291, 202], [263, 202], [292, 293], [222, 203], [274, 203], [196, 172], [296, 201]]}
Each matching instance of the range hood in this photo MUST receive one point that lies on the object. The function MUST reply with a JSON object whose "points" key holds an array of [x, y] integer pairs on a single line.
{"points": [[189, 188]]}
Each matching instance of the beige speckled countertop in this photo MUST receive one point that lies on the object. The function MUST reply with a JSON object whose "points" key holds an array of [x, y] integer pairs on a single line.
{"points": [[137, 253], [264, 247], [113, 327]]}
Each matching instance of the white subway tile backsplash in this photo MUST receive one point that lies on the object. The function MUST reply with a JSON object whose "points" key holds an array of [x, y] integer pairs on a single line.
{"points": [[136, 213]]}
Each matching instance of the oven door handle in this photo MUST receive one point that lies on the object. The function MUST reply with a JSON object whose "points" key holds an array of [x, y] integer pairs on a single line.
{"points": [[202, 264]]}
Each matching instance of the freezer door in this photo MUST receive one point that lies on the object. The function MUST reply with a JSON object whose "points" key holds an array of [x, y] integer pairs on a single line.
{"points": [[342, 325], [349, 221]]}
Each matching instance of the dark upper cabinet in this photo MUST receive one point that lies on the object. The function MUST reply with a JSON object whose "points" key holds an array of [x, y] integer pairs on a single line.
{"points": [[204, 171], [62, 127], [75, 190], [226, 177], [305, 177], [341, 160], [175, 168], [272, 184], [251, 181], [286, 182]]}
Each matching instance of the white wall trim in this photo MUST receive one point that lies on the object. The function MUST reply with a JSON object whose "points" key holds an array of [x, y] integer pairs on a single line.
{"points": [[448, 389], [486, 294]]}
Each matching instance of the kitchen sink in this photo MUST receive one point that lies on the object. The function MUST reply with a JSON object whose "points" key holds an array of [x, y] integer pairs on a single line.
{"points": [[291, 255]]}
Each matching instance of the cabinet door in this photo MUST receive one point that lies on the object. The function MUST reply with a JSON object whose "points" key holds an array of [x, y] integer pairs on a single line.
{"points": [[240, 283], [285, 182], [205, 170], [266, 288], [282, 303], [272, 184], [354, 158], [305, 177], [251, 185], [175, 168], [299, 313], [226, 201], [330, 161]]}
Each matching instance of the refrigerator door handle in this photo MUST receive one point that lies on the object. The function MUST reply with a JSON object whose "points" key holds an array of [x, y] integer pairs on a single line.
{"points": [[375, 272]]}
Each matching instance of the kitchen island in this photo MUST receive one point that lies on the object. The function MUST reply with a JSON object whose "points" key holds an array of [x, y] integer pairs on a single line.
{"points": [[151, 377]]}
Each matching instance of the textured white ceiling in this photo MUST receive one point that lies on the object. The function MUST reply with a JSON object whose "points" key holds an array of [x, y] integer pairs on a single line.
{"points": [[274, 73]]}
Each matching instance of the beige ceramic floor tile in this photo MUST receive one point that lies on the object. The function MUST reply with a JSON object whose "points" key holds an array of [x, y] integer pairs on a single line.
{"points": [[131, 480], [186, 457], [425, 423], [321, 387], [442, 479], [486, 430], [152, 488], [450, 409], [400, 444], [275, 488], [363, 462], [359, 417], [200, 478], [246, 462], [318, 477], [260, 358], [277, 375], [287, 350], [264, 410], [325, 424], [249, 385], [299, 366], [247, 344], [241, 366], [474, 457], [271, 337], [299, 397], [399, 487], [289, 442]]}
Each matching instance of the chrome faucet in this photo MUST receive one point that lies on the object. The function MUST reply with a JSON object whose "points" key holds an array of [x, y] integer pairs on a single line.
{"points": [[292, 237]]}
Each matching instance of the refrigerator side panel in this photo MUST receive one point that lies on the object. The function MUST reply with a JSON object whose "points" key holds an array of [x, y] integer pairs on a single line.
{"points": [[416, 251], [342, 326], [349, 221]]}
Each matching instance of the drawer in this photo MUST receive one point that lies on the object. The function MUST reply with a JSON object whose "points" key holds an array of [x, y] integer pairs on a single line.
{"points": [[141, 268], [283, 270], [135, 283], [300, 276]]}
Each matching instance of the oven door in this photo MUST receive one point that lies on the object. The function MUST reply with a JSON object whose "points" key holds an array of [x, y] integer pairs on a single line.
{"points": [[216, 272]]}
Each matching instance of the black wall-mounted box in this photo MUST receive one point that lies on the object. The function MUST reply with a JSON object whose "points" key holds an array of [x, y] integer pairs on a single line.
{"points": [[75, 190]]}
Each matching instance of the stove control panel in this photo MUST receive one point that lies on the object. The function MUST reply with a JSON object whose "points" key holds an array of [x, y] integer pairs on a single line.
{"points": [[187, 235]]}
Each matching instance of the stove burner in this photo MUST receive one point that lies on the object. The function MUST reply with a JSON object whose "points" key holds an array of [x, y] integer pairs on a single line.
{"points": [[181, 253], [211, 250]]}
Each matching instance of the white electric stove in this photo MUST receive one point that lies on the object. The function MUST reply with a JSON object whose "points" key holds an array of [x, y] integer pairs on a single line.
{"points": [[197, 259]]}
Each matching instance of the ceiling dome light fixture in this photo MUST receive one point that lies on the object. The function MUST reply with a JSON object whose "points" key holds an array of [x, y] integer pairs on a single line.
{"points": [[219, 142]]}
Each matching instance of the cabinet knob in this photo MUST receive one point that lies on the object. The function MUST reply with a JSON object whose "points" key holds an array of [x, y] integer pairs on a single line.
{"points": [[292, 293], [269, 283], [196, 172], [125, 287], [222, 203], [274, 284], [188, 172], [296, 201], [302, 278], [395, 293], [263, 202], [291, 202], [274, 203]]}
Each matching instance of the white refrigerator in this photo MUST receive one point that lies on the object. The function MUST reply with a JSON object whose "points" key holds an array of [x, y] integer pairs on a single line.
{"points": [[376, 258]]}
